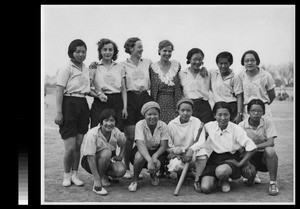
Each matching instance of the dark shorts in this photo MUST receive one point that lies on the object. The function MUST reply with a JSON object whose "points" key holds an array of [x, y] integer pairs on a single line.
{"points": [[135, 103], [76, 113], [162, 158], [216, 159], [85, 163], [115, 102], [202, 110], [257, 161]]}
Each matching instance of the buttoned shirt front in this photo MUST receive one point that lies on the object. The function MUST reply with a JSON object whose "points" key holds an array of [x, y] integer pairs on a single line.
{"points": [[95, 141], [109, 80], [73, 79], [194, 88], [225, 89], [266, 129], [152, 142], [230, 139], [257, 87], [137, 77]]}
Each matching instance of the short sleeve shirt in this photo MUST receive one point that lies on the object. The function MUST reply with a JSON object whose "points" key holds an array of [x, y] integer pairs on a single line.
{"points": [[258, 86], [230, 139], [194, 88], [73, 79], [137, 77], [108, 81], [95, 141], [152, 142], [266, 129], [225, 89]]}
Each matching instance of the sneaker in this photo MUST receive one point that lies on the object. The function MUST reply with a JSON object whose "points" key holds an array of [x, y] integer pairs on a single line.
{"points": [[76, 180], [197, 186], [273, 189], [128, 174], [133, 186], [225, 186], [67, 180], [230, 179], [105, 182], [100, 190], [154, 180], [257, 180]]}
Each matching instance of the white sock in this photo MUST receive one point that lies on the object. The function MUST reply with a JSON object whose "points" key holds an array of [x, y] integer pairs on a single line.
{"points": [[273, 182]]}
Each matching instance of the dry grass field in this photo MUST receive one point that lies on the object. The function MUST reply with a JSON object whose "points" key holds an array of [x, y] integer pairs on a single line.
{"points": [[54, 193]]}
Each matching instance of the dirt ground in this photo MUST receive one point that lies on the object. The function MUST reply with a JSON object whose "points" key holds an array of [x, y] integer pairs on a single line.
{"points": [[54, 193]]}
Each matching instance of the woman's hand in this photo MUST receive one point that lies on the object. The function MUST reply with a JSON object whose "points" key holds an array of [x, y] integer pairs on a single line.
{"points": [[203, 72], [117, 158], [237, 119], [124, 114], [102, 97], [59, 119], [151, 167], [93, 65], [188, 156]]}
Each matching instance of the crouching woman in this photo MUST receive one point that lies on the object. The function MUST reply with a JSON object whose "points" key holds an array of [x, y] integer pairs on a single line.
{"points": [[225, 139], [99, 152]]}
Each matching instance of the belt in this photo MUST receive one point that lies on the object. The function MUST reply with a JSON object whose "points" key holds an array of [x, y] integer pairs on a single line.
{"points": [[75, 95], [138, 92]]}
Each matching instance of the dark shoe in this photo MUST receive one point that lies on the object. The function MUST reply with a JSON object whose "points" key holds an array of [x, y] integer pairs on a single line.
{"points": [[197, 186]]}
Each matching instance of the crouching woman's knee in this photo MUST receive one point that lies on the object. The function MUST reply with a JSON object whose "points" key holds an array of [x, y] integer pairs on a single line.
{"points": [[118, 169]]}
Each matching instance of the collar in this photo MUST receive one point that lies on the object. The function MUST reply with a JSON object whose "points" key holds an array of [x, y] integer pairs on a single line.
{"points": [[75, 66], [130, 61], [261, 123], [228, 129], [227, 77], [177, 120], [112, 63]]}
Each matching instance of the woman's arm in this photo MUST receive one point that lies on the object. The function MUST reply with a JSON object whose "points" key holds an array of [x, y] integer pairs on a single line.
{"points": [[59, 100], [124, 97], [272, 95], [240, 107], [268, 143]]}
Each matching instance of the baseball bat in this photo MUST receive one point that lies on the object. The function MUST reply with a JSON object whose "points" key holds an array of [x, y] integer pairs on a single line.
{"points": [[181, 179]]}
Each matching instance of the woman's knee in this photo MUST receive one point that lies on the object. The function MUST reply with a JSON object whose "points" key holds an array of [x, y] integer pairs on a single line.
{"points": [[270, 152], [223, 171], [105, 154], [118, 169]]}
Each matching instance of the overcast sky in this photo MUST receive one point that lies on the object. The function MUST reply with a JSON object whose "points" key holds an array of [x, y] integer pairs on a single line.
{"points": [[267, 29]]}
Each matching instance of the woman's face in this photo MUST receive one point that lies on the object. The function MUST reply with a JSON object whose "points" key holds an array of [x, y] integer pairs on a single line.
{"points": [[107, 51], [255, 112], [108, 124], [79, 54], [250, 62], [166, 53], [152, 117], [224, 65], [185, 112], [196, 61], [137, 50], [222, 117]]}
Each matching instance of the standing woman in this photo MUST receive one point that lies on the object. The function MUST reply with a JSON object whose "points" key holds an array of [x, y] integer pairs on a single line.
{"points": [[137, 85], [257, 82], [196, 83], [72, 109], [226, 86], [109, 83], [165, 83]]}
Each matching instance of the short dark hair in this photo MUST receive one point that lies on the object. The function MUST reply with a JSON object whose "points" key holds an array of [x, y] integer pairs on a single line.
{"points": [[73, 45], [191, 53], [220, 105], [164, 43], [254, 54], [130, 43], [107, 113], [105, 41], [226, 55], [257, 102]]}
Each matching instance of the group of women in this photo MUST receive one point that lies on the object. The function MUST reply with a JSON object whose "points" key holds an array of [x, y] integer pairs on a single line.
{"points": [[160, 117]]}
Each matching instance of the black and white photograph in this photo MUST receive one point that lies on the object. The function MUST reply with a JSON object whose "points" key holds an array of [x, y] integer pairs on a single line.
{"points": [[167, 104]]}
